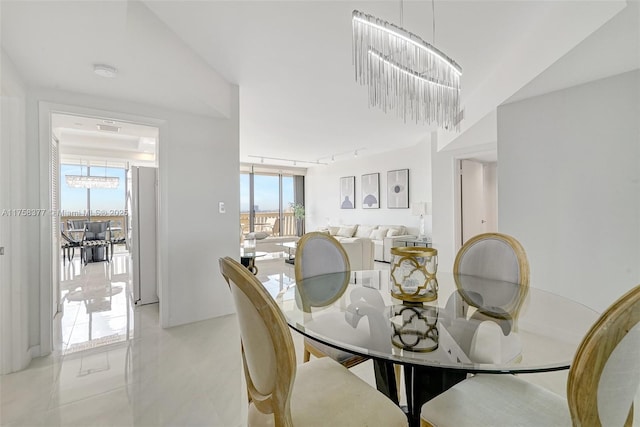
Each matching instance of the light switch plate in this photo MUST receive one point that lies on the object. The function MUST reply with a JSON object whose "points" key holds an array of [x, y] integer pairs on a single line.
{"points": [[221, 207]]}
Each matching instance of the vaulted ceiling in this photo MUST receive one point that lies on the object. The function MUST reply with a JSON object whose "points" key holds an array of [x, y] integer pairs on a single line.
{"points": [[292, 61]]}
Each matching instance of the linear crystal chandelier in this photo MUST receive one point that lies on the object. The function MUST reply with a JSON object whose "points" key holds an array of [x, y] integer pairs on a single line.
{"points": [[92, 181], [405, 73], [80, 181]]}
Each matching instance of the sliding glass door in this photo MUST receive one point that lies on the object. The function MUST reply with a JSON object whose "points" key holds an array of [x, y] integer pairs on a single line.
{"points": [[92, 204], [266, 202]]}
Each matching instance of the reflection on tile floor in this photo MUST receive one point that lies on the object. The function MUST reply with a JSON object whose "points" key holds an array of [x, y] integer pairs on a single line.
{"points": [[114, 365], [96, 303]]}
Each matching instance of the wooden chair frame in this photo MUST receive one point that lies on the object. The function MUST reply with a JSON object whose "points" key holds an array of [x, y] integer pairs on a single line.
{"points": [[521, 256], [591, 357], [278, 402], [309, 349], [317, 235]]}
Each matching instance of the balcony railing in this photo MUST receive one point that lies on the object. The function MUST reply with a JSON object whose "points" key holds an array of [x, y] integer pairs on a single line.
{"points": [[263, 221]]}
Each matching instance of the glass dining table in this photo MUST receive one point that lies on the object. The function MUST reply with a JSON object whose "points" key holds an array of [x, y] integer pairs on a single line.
{"points": [[475, 325]]}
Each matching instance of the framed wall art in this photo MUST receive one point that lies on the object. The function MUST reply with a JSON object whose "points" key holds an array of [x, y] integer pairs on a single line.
{"points": [[370, 187], [398, 189], [348, 192]]}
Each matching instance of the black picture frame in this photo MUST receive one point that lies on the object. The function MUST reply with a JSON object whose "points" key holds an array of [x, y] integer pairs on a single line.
{"points": [[348, 192], [398, 189], [370, 188]]}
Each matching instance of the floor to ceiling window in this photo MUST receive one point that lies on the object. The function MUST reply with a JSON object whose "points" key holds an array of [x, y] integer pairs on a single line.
{"points": [[95, 301], [266, 201], [98, 204]]}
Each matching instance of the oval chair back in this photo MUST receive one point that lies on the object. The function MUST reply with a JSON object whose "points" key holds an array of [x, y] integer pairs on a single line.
{"points": [[605, 374], [319, 253], [500, 257], [603, 381], [267, 347]]}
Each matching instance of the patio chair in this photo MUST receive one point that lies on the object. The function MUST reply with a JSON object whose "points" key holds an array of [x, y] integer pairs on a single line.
{"points": [[69, 246]]}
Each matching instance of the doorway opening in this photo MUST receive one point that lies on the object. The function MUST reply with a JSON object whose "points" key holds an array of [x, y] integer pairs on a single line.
{"points": [[96, 246], [476, 197]]}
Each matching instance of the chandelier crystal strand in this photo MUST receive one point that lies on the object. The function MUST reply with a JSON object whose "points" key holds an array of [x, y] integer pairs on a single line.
{"points": [[79, 181], [405, 73]]}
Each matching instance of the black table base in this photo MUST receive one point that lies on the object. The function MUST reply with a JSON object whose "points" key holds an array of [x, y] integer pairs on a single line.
{"points": [[250, 263], [422, 383]]}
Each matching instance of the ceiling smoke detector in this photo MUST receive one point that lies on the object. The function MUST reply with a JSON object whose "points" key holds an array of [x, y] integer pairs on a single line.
{"points": [[104, 70]]}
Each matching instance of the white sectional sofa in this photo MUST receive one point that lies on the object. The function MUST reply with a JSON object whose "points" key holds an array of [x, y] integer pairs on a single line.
{"points": [[360, 252], [383, 237]]}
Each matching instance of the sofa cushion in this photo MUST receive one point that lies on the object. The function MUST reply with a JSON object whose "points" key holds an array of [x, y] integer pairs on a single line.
{"points": [[365, 230], [379, 233], [401, 228], [346, 239], [360, 252], [393, 232], [346, 231], [378, 250]]}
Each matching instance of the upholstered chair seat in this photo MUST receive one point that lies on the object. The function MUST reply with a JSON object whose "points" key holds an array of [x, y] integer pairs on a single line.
{"points": [[474, 401], [327, 394]]}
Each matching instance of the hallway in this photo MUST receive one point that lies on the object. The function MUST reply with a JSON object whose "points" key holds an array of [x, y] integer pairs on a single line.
{"points": [[96, 301]]}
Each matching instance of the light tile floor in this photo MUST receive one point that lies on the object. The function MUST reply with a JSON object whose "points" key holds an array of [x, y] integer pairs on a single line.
{"points": [[144, 375], [96, 301]]}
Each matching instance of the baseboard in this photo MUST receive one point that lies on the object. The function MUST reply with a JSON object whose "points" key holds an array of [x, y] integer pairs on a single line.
{"points": [[34, 352], [26, 357]]}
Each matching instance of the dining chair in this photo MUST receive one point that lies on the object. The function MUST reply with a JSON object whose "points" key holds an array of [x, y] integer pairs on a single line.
{"points": [[76, 224], [603, 380], [318, 253], [69, 246], [489, 264], [96, 237], [494, 256], [318, 393]]}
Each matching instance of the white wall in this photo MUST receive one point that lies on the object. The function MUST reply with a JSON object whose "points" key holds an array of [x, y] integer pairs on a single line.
{"points": [[198, 167], [446, 207], [569, 186], [490, 180], [14, 267], [322, 188]]}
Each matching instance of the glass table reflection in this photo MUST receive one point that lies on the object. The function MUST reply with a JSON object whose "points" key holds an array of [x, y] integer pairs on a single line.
{"points": [[475, 326]]}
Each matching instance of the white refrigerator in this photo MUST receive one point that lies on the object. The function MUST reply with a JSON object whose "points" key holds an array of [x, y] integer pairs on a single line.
{"points": [[142, 231]]}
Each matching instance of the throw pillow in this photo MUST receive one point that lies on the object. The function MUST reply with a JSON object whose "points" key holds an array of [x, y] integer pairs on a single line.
{"points": [[379, 234], [364, 230], [393, 232], [346, 231], [333, 230], [258, 235]]}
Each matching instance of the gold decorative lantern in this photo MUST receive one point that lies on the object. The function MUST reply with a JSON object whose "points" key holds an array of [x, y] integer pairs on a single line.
{"points": [[413, 274], [415, 328]]}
